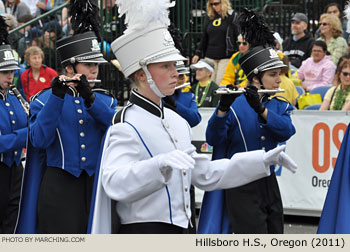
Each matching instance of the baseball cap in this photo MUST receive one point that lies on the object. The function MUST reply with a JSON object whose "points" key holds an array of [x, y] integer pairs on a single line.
{"points": [[300, 17]]}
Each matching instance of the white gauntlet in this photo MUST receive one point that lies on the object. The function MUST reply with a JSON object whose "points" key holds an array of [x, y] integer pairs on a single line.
{"points": [[277, 156]]}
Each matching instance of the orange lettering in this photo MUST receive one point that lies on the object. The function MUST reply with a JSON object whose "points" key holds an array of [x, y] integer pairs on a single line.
{"points": [[335, 135], [315, 147]]}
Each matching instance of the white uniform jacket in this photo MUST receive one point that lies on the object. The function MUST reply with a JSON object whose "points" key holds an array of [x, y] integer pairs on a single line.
{"points": [[130, 173]]}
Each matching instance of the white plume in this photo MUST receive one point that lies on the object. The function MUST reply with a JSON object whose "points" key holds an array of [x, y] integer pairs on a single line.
{"points": [[140, 14], [347, 15]]}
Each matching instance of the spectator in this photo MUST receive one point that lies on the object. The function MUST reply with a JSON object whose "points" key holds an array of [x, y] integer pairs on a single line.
{"points": [[109, 20], [2, 7], [335, 9], [338, 97], [331, 33], [298, 46], [318, 70], [16, 8], [38, 76], [34, 10], [215, 44], [290, 92], [22, 43], [234, 74], [52, 33], [204, 89]]}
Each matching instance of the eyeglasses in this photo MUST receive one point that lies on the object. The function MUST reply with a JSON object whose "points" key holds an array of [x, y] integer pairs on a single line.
{"points": [[324, 24], [345, 74], [241, 43], [215, 3]]}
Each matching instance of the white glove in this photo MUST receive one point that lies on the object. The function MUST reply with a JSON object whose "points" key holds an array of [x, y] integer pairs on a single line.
{"points": [[277, 156], [287, 162], [176, 159]]}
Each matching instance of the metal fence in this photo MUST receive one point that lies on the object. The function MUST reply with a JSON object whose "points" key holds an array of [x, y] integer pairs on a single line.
{"points": [[188, 16]]}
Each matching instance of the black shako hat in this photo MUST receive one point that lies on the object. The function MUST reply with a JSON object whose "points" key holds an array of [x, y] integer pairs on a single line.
{"points": [[7, 60], [259, 59], [83, 45], [80, 48]]}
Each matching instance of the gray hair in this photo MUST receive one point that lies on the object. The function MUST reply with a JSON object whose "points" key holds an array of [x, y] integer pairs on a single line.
{"points": [[10, 20]]}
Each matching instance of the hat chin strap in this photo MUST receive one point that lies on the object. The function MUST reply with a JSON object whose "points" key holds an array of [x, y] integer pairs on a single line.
{"points": [[152, 83]]}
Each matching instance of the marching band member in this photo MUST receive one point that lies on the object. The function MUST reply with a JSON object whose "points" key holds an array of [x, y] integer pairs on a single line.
{"points": [[13, 137], [253, 121], [69, 121], [148, 162]]}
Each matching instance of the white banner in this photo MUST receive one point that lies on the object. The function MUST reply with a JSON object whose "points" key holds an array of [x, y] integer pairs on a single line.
{"points": [[314, 148]]}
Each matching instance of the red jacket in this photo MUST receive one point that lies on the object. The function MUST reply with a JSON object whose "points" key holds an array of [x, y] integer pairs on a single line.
{"points": [[32, 86]]}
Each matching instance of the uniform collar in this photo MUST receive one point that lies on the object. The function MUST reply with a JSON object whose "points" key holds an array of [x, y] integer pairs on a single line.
{"points": [[3, 96], [145, 103]]}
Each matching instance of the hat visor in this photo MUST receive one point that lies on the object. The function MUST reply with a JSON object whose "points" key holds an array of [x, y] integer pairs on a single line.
{"points": [[9, 68], [98, 60], [171, 57], [183, 71]]}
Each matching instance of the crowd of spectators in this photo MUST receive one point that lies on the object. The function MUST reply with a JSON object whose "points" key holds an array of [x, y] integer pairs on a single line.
{"points": [[313, 58]]}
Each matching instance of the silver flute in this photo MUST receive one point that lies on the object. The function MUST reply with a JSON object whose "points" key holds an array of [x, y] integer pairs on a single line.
{"points": [[226, 91], [20, 98], [65, 81], [182, 85]]}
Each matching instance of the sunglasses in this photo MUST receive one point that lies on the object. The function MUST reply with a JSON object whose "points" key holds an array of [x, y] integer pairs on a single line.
{"points": [[345, 74], [215, 3], [324, 24], [241, 43]]}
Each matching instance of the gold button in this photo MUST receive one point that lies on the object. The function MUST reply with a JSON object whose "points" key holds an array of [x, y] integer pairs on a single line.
{"points": [[167, 125], [175, 139], [79, 111], [186, 188], [184, 172], [11, 112], [82, 146], [77, 101], [262, 138], [81, 121], [7, 104], [261, 127], [15, 153], [187, 205], [13, 122], [82, 134], [83, 159]]}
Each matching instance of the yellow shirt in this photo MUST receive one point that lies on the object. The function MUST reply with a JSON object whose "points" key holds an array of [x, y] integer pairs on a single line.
{"points": [[290, 93]]}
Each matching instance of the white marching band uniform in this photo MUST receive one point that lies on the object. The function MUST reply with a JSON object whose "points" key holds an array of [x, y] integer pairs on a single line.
{"points": [[147, 192]]}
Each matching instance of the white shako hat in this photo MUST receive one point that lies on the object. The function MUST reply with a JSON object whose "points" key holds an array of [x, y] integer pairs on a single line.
{"points": [[146, 39], [83, 45], [7, 60]]}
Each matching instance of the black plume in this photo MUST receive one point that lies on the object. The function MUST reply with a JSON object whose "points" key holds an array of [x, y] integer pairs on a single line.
{"points": [[85, 17], [255, 30], [3, 31]]}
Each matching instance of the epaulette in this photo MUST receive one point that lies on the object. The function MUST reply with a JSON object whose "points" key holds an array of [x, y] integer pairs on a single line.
{"points": [[280, 97], [102, 91], [120, 115], [33, 97]]}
